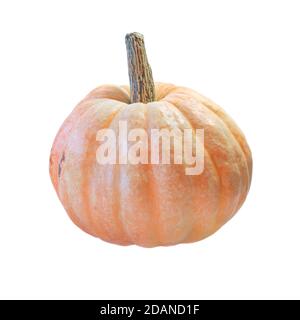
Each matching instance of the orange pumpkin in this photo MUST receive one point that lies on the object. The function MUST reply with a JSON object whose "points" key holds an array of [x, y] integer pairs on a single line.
{"points": [[149, 204]]}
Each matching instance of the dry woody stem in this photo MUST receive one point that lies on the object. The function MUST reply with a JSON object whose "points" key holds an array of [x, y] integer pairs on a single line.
{"points": [[142, 87]]}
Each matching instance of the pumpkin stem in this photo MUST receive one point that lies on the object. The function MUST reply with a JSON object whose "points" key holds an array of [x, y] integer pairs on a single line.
{"points": [[142, 87]]}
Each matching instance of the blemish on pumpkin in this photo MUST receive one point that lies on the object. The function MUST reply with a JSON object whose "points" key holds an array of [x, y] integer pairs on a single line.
{"points": [[51, 160], [62, 159]]}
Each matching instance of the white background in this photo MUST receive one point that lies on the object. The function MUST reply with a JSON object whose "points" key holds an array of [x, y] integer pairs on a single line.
{"points": [[245, 55]]}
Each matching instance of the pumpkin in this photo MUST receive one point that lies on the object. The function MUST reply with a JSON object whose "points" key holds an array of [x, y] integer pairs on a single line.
{"points": [[149, 204]]}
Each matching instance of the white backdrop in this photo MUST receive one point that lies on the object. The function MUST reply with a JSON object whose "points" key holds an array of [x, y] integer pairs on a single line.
{"points": [[242, 54]]}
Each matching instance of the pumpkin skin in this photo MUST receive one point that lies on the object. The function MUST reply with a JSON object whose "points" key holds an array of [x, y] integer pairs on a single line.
{"points": [[149, 204]]}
